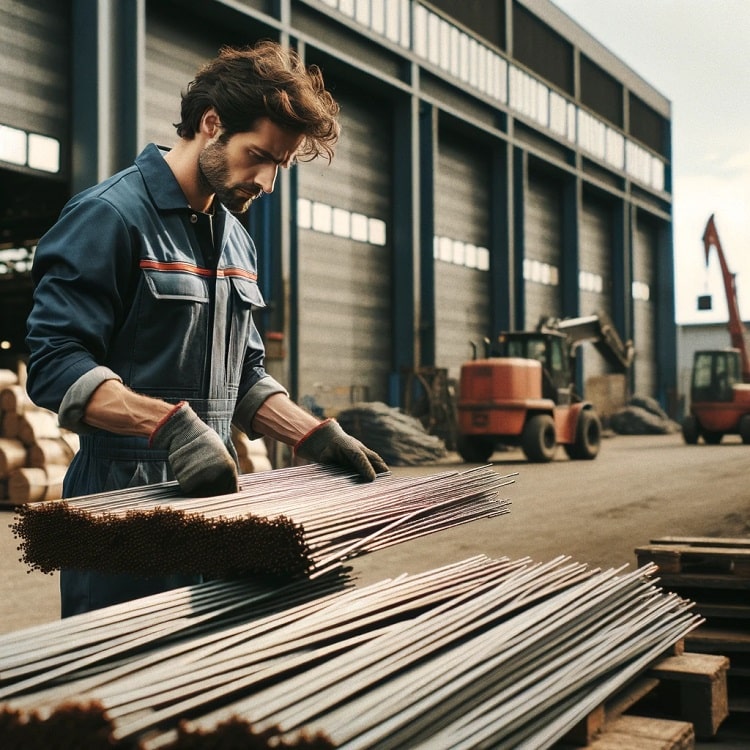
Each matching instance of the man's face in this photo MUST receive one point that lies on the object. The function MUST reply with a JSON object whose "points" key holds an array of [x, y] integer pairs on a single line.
{"points": [[244, 166]]}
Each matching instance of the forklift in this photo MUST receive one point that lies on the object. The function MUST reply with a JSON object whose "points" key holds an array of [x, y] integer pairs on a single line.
{"points": [[522, 391]]}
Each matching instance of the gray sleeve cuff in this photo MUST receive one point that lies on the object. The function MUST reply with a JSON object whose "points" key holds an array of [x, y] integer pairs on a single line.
{"points": [[245, 410], [77, 396]]}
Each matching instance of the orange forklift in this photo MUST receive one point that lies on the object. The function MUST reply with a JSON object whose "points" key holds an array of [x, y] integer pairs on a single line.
{"points": [[522, 391], [720, 381]]}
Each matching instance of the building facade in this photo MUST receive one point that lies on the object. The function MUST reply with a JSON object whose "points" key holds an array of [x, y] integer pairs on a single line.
{"points": [[497, 165]]}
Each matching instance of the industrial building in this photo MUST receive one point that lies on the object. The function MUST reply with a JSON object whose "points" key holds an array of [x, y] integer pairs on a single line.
{"points": [[497, 165]]}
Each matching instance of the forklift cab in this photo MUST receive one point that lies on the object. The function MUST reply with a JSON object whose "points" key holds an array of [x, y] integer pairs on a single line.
{"points": [[552, 350], [715, 373]]}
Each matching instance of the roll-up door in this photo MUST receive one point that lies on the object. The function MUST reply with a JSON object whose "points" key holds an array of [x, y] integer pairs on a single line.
{"points": [[644, 308], [542, 250], [462, 230], [175, 49], [344, 261], [595, 275]]}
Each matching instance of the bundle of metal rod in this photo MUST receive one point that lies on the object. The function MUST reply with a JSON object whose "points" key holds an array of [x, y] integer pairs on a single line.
{"points": [[57, 652], [59, 656], [283, 524], [480, 653], [470, 676]]}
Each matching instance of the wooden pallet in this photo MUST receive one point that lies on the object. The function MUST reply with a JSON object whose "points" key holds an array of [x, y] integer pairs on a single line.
{"points": [[679, 698], [707, 555], [714, 573]]}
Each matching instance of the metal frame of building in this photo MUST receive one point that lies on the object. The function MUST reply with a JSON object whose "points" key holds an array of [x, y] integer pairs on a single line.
{"points": [[518, 80]]}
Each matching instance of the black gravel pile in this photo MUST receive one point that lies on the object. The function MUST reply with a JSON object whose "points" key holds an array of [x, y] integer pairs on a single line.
{"points": [[399, 439]]}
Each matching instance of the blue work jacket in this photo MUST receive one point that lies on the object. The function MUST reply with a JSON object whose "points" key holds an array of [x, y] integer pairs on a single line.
{"points": [[123, 290]]}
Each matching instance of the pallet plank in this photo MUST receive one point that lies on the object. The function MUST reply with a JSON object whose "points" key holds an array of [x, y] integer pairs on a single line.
{"points": [[642, 733], [675, 558]]}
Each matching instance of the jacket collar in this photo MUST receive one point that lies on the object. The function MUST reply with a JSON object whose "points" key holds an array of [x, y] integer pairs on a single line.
{"points": [[160, 181]]}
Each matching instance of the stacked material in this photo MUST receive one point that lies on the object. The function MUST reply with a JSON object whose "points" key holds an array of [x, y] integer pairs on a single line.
{"points": [[282, 523], [400, 439], [481, 653], [34, 451]]}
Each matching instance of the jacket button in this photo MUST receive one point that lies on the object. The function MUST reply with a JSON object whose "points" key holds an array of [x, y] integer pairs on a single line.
{"points": [[193, 218]]}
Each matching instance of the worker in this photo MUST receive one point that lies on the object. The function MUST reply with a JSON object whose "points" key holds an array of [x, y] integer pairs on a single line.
{"points": [[141, 334]]}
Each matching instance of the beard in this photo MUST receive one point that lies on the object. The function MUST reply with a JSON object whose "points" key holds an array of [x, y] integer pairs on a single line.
{"points": [[213, 174]]}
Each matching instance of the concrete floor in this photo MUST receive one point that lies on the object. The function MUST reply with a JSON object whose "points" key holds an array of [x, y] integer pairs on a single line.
{"points": [[597, 512]]}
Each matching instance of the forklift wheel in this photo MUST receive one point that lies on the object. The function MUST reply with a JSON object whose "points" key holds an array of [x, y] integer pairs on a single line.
{"points": [[475, 449], [539, 440], [745, 428], [588, 437], [690, 430]]}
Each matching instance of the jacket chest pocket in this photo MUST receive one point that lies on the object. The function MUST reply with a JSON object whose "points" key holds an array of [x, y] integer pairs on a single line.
{"points": [[173, 330]]}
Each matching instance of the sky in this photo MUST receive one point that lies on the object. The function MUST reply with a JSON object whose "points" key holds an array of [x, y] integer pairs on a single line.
{"points": [[694, 53]]}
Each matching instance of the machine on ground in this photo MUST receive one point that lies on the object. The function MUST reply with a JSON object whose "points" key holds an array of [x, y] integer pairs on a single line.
{"points": [[522, 391], [720, 379]]}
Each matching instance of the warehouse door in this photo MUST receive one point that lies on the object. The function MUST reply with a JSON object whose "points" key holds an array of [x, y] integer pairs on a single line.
{"points": [[644, 308], [595, 275], [462, 237], [542, 241], [344, 261]]}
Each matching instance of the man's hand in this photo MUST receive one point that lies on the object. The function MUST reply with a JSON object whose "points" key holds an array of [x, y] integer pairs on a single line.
{"points": [[199, 459], [329, 444]]}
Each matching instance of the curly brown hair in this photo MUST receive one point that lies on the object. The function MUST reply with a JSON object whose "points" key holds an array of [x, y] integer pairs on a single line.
{"points": [[263, 80]]}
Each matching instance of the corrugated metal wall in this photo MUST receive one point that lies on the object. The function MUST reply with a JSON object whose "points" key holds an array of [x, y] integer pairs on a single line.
{"points": [[543, 249], [462, 228], [35, 60], [344, 260], [175, 49]]}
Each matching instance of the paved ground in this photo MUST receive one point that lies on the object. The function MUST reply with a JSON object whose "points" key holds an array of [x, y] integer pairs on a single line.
{"points": [[596, 512]]}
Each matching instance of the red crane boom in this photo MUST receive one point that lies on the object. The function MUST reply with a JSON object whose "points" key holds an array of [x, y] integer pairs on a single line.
{"points": [[735, 325]]}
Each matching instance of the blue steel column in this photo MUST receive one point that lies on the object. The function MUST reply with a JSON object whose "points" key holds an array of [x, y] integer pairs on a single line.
{"points": [[108, 41], [427, 161], [502, 288], [666, 328], [520, 196], [405, 242], [570, 252], [622, 274], [272, 224]]}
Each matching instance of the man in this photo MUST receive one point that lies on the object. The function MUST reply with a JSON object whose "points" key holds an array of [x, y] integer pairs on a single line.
{"points": [[141, 333]]}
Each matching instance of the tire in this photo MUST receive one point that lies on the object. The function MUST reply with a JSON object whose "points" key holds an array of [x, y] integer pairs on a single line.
{"points": [[475, 449], [588, 437], [538, 439], [745, 428], [712, 438], [690, 432]]}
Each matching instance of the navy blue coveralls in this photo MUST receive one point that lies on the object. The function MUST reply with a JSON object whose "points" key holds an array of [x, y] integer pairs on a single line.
{"points": [[129, 286]]}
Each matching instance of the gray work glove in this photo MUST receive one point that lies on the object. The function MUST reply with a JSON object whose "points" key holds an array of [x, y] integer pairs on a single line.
{"points": [[329, 444], [199, 459]]}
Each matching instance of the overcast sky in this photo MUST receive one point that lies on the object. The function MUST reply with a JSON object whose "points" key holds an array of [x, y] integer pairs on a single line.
{"points": [[695, 53]]}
